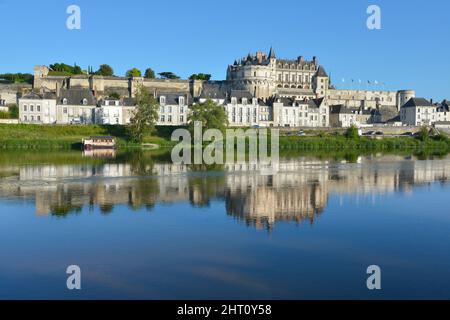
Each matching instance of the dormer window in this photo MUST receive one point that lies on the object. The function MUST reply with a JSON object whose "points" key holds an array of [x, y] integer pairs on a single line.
{"points": [[244, 101], [65, 101], [106, 103], [85, 102], [233, 100], [117, 103], [162, 100], [181, 101]]}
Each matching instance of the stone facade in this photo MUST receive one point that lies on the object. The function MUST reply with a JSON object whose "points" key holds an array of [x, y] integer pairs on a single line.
{"points": [[418, 112]]}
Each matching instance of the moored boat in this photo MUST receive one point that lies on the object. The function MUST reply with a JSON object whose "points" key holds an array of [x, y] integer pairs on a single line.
{"points": [[99, 142]]}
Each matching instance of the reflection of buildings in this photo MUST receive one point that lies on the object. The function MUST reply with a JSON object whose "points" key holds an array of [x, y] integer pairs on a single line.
{"points": [[299, 192]]}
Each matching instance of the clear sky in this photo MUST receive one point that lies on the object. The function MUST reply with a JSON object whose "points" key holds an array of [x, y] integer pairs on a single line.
{"points": [[410, 51]]}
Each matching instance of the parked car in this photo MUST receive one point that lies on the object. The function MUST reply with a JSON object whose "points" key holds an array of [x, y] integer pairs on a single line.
{"points": [[379, 133], [301, 133]]}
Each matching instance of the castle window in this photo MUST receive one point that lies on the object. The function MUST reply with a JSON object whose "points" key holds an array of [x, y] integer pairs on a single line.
{"points": [[25, 108], [162, 100]]}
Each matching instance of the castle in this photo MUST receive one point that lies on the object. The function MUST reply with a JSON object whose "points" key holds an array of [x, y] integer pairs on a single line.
{"points": [[259, 89]]}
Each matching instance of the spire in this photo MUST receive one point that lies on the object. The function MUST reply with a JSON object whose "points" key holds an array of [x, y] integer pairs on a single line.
{"points": [[272, 54]]}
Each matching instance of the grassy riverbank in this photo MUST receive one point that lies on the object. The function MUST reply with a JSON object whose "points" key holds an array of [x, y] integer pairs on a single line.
{"points": [[23, 136]]}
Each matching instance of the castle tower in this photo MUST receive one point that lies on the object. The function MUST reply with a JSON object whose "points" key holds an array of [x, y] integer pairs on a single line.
{"points": [[321, 82], [39, 73], [403, 96]]}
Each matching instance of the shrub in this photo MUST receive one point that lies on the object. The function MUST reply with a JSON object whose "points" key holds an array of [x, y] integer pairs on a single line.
{"points": [[352, 132]]}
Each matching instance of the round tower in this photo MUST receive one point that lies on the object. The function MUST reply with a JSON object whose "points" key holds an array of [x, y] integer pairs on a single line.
{"points": [[403, 97]]}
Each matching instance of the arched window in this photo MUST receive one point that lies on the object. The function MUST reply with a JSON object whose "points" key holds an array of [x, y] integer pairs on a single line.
{"points": [[65, 101], [85, 102]]}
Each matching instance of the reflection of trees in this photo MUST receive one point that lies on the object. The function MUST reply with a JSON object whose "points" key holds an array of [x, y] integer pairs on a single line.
{"points": [[207, 182], [144, 193], [63, 210]]}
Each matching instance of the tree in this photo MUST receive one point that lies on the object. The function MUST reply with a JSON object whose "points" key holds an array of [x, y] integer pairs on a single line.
{"points": [[168, 75], [200, 76], [105, 70], [149, 73], [212, 116], [135, 72], [352, 132], [145, 115], [424, 134], [114, 95]]}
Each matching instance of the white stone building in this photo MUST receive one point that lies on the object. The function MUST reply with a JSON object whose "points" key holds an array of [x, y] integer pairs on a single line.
{"points": [[443, 111], [173, 109], [109, 112], [76, 106], [300, 113], [344, 117], [242, 109], [38, 108], [418, 112]]}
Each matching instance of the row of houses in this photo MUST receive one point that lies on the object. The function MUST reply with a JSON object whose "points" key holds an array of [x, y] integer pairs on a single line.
{"points": [[80, 106]]}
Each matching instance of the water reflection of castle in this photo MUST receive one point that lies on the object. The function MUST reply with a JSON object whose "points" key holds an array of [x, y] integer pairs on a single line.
{"points": [[299, 192]]}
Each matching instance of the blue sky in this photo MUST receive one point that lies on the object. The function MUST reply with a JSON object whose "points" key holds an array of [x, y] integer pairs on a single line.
{"points": [[410, 51]]}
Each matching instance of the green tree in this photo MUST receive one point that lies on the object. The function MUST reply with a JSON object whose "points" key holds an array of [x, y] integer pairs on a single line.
{"points": [[212, 116], [135, 72], [352, 132], [200, 76], [149, 73], [423, 134], [114, 95], [105, 70], [14, 112], [168, 75], [145, 116]]}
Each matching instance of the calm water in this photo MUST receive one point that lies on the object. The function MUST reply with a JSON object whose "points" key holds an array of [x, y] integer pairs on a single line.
{"points": [[141, 228]]}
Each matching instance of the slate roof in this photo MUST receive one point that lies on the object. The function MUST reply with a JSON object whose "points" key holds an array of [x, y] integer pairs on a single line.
{"points": [[172, 98], [417, 102], [75, 97], [38, 96], [129, 102], [315, 103], [341, 109], [239, 95], [212, 92], [444, 106], [321, 72]]}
